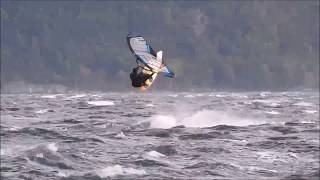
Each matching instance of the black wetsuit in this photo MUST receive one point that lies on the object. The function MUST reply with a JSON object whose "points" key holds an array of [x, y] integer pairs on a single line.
{"points": [[138, 78]]}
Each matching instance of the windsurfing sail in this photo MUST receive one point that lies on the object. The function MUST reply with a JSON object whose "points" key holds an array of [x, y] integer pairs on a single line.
{"points": [[147, 57]]}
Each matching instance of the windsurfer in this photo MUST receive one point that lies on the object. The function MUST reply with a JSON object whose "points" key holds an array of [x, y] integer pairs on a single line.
{"points": [[140, 77]]}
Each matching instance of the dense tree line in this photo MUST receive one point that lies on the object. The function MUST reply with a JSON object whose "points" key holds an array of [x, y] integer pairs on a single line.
{"points": [[209, 44]]}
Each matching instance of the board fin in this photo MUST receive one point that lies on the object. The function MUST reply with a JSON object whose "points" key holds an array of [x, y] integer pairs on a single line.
{"points": [[159, 55]]}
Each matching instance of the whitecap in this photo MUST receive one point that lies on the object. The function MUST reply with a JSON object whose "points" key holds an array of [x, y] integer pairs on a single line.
{"points": [[163, 122], [264, 94], [274, 104], [155, 154], [272, 112], [189, 96], [77, 96], [62, 174], [246, 102], [310, 111], [96, 95], [173, 95], [51, 96], [297, 98], [270, 103], [307, 122], [208, 118], [221, 95], [2, 152], [39, 155], [111, 171], [238, 141], [101, 103], [239, 96], [291, 154], [14, 128], [120, 135], [52, 147], [41, 111], [305, 104], [203, 118], [149, 105]]}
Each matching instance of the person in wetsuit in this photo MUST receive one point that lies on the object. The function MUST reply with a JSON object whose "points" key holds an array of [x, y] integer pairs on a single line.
{"points": [[139, 78]]}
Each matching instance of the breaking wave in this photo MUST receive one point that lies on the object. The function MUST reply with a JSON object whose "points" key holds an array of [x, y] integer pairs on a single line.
{"points": [[111, 171], [101, 103], [203, 118]]}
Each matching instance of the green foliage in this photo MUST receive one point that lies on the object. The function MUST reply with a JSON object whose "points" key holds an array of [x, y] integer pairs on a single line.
{"points": [[245, 45]]}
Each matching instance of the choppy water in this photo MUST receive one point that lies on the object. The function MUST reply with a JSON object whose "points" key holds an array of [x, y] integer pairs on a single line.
{"points": [[160, 135]]}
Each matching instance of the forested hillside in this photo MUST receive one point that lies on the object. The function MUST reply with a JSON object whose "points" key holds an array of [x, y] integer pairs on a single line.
{"points": [[246, 45]]}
